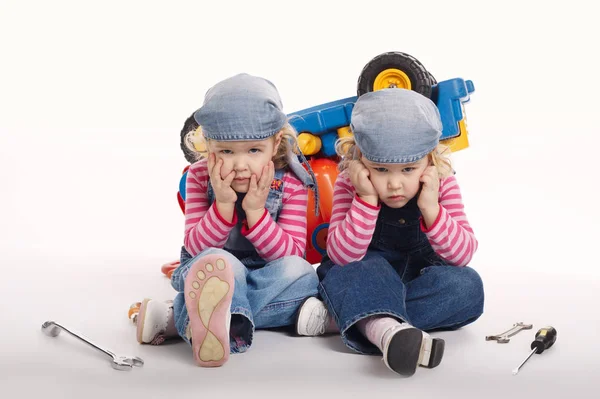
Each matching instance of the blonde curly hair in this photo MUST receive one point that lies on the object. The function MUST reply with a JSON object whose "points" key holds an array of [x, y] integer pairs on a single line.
{"points": [[196, 142], [348, 151]]}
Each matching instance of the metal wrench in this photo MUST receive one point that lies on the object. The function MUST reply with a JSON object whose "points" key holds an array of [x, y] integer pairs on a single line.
{"points": [[52, 329], [503, 338]]}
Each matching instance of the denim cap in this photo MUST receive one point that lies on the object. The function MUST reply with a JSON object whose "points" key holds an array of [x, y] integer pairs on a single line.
{"points": [[395, 125], [242, 107]]}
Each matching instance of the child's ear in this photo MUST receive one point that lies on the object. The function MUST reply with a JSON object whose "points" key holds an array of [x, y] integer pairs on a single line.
{"points": [[278, 138]]}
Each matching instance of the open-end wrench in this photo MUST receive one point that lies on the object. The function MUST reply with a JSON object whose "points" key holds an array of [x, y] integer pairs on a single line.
{"points": [[52, 329], [504, 337]]}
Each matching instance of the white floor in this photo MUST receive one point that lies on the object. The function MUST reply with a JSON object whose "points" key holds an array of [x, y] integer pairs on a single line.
{"points": [[279, 365], [92, 99]]}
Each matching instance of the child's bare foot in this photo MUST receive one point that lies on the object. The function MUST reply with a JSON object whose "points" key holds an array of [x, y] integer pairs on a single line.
{"points": [[208, 292]]}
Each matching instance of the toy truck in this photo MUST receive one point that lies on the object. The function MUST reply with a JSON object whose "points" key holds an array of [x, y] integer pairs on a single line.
{"points": [[319, 127]]}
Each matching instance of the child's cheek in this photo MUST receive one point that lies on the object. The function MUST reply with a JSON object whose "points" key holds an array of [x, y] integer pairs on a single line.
{"points": [[378, 185]]}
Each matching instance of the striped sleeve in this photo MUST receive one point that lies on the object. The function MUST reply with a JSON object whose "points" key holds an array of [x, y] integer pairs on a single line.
{"points": [[287, 236], [451, 235], [204, 226], [351, 225]]}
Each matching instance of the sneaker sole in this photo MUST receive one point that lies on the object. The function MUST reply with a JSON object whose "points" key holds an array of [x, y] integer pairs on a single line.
{"points": [[208, 293], [404, 350], [141, 318], [432, 351], [437, 352]]}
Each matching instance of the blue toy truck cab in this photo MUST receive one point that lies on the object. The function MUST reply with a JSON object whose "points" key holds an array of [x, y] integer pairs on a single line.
{"points": [[324, 121]]}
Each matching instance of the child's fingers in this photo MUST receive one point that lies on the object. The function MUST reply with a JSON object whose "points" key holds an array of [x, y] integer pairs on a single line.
{"points": [[267, 176], [264, 176], [216, 171], [270, 174], [428, 172], [355, 170], [364, 181], [425, 179], [211, 162], [363, 175], [432, 171], [229, 178], [253, 183]]}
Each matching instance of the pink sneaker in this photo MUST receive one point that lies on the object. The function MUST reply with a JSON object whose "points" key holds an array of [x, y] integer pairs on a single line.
{"points": [[208, 292]]}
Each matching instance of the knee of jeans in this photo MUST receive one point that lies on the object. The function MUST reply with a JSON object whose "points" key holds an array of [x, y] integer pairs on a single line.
{"points": [[239, 272], [465, 283], [297, 268], [370, 259]]}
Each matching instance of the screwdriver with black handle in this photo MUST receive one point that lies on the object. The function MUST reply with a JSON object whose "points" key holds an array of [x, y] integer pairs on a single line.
{"points": [[544, 339]]}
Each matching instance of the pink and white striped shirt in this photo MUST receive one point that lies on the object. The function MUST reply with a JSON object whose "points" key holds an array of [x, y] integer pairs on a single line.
{"points": [[353, 222], [205, 227]]}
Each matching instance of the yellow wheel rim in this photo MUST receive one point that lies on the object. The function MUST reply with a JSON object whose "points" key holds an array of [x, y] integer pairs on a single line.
{"points": [[199, 145], [391, 78]]}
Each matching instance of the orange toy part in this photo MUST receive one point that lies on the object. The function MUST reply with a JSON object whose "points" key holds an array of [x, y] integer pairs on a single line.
{"points": [[326, 172], [134, 309], [168, 268]]}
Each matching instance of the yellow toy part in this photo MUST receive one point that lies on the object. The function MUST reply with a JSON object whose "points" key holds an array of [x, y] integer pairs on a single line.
{"points": [[392, 78], [309, 143], [344, 132], [199, 146], [462, 141]]}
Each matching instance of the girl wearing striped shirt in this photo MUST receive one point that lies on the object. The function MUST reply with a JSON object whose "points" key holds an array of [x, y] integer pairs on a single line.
{"points": [[399, 241], [242, 262]]}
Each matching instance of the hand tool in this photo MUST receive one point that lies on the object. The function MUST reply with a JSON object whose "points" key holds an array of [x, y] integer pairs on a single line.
{"points": [[544, 339], [52, 329], [503, 338]]}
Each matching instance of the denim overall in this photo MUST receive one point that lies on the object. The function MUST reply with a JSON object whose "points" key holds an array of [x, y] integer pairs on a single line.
{"points": [[266, 294], [400, 276]]}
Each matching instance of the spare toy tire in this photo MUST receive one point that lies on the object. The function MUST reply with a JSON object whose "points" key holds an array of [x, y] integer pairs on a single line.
{"points": [[395, 69]]}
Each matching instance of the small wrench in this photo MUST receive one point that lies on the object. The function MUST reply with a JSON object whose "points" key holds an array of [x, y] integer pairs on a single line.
{"points": [[504, 337], [52, 329]]}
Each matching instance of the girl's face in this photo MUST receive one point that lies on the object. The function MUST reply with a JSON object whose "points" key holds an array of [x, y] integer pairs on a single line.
{"points": [[245, 158], [396, 184]]}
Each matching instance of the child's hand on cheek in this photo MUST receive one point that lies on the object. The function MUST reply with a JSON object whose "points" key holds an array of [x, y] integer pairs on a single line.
{"points": [[258, 191], [359, 176], [428, 199], [224, 194]]}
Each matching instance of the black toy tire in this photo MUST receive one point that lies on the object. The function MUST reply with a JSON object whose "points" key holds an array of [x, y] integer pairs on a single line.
{"points": [[189, 125], [420, 79]]}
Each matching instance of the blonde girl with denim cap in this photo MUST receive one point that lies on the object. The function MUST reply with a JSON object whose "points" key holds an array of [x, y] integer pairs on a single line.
{"points": [[399, 241], [242, 263]]}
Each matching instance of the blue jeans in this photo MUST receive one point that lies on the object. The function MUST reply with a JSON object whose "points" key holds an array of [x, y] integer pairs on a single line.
{"points": [[411, 286], [265, 296]]}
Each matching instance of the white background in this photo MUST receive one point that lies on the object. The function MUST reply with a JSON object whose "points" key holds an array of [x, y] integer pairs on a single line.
{"points": [[93, 95]]}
